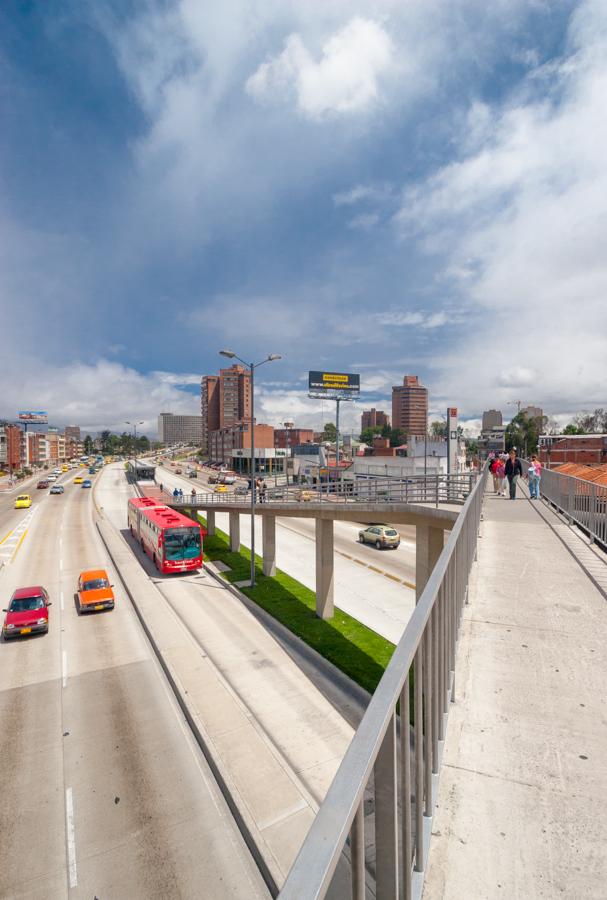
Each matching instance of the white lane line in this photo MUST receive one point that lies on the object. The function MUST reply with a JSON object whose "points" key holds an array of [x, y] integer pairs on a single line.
{"points": [[61, 599], [64, 667], [71, 840], [60, 564]]}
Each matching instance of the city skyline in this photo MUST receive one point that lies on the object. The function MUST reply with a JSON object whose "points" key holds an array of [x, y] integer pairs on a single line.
{"points": [[375, 191]]}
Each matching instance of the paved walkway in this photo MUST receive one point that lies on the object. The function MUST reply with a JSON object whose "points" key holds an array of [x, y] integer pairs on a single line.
{"points": [[522, 807]]}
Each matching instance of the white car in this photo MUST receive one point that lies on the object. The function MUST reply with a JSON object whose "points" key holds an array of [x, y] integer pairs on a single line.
{"points": [[51, 477]]}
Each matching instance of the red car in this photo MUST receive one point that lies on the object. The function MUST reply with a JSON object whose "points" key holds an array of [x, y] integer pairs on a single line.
{"points": [[27, 612], [42, 484]]}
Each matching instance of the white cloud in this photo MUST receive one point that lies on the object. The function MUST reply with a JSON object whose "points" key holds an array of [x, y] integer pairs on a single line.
{"points": [[520, 220], [364, 222], [354, 195], [346, 78], [96, 395], [422, 320]]}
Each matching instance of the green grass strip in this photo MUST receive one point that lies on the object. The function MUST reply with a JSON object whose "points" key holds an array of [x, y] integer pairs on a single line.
{"points": [[359, 652]]}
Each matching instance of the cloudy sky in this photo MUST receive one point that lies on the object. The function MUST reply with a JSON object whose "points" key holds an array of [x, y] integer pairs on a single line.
{"points": [[378, 187]]}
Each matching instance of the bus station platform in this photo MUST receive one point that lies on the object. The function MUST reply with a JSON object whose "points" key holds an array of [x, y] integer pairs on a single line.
{"points": [[521, 808]]}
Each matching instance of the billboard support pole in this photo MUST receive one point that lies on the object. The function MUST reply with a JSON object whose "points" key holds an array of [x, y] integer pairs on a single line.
{"points": [[337, 402]]}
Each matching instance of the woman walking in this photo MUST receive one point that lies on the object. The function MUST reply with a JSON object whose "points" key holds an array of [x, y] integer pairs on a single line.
{"points": [[534, 475]]}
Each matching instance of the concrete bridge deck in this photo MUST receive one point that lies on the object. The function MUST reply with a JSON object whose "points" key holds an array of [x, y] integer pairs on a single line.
{"points": [[522, 806]]}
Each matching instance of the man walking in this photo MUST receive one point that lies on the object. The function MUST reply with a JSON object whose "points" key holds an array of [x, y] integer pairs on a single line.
{"points": [[514, 469]]}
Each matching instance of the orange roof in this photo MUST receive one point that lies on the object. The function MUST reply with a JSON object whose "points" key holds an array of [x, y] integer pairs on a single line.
{"points": [[597, 474]]}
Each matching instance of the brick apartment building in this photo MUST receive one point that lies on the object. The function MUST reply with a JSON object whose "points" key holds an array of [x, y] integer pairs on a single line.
{"points": [[292, 437], [225, 400], [584, 449], [410, 406], [373, 418], [237, 437]]}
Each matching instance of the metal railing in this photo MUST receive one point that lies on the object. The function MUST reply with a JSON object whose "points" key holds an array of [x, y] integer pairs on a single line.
{"points": [[386, 767], [433, 489], [583, 502]]}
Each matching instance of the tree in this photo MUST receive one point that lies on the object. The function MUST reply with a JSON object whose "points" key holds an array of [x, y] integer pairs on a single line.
{"points": [[592, 423], [88, 445], [397, 437], [523, 433], [438, 430], [105, 441], [329, 432], [573, 429], [368, 434]]}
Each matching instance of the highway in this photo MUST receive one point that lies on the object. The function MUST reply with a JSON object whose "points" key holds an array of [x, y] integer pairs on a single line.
{"points": [[377, 587], [105, 794]]}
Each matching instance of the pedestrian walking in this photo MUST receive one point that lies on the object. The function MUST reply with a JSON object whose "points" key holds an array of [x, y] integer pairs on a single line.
{"points": [[176, 493], [500, 471], [534, 475], [264, 489], [514, 470], [493, 469], [193, 494]]}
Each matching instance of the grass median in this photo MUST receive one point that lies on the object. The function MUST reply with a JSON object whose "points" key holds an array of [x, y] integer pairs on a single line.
{"points": [[359, 652]]}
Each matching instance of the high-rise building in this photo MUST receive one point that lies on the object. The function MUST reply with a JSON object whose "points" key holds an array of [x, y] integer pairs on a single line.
{"points": [[492, 418], [373, 418], [533, 412], [225, 400], [180, 429], [72, 433], [410, 406]]}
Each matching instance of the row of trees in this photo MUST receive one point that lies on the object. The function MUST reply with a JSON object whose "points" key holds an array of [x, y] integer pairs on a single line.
{"points": [[118, 444]]}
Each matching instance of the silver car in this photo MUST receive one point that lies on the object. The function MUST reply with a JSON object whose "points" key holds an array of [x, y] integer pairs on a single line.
{"points": [[381, 536]]}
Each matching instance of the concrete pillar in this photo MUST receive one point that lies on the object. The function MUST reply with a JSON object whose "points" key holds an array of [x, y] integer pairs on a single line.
{"points": [[210, 516], [324, 568], [429, 544], [268, 526], [234, 532]]}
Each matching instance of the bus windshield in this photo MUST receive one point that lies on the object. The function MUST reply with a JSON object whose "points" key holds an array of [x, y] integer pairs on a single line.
{"points": [[182, 543]]}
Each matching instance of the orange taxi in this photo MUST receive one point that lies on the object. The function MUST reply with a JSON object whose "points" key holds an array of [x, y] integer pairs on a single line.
{"points": [[95, 591]]}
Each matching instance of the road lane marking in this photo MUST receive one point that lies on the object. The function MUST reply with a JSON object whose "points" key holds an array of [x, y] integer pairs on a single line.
{"points": [[71, 838], [61, 599], [6, 537], [18, 547], [64, 668]]}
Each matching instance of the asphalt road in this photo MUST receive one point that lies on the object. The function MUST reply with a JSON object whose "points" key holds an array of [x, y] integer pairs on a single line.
{"points": [[104, 793]]}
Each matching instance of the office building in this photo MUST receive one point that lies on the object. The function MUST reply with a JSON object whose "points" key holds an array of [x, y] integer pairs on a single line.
{"points": [[410, 406], [72, 433], [374, 418], [174, 429], [225, 400], [533, 412], [492, 418]]}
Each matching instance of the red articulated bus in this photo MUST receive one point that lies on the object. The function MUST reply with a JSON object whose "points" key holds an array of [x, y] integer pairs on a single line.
{"points": [[171, 540]]}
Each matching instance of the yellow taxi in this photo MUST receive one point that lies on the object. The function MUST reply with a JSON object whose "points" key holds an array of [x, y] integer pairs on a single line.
{"points": [[78, 479], [221, 489], [64, 468], [23, 501]]}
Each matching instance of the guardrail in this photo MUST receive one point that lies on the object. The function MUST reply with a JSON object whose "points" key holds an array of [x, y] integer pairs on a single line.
{"points": [[583, 502], [434, 489], [381, 766]]}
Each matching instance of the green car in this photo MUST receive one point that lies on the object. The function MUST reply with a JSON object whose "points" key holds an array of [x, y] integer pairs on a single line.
{"points": [[381, 536]]}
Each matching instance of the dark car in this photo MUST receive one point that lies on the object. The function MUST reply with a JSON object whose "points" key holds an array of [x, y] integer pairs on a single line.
{"points": [[27, 612], [192, 474], [42, 484], [87, 483]]}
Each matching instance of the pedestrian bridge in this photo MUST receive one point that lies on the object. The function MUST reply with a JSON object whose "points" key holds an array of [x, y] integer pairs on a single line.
{"points": [[501, 672]]}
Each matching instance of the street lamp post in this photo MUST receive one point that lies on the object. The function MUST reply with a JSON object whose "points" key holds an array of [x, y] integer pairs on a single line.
{"points": [[134, 427], [229, 354]]}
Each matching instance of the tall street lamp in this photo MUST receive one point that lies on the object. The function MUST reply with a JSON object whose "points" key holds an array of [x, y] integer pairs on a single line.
{"points": [[134, 427], [229, 354]]}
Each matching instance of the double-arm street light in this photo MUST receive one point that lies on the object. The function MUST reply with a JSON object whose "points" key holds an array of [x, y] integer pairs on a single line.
{"points": [[229, 354], [134, 427]]}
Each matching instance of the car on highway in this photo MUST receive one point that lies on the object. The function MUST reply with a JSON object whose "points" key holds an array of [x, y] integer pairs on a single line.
{"points": [[192, 474], [57, 489], [87, 483], [27, 612], [381, 536], [305, 496], [221, 489], [23, 501], [178, 471], [94, 591], [43, 484], [51, 477], [241, 489], [78, 479]]}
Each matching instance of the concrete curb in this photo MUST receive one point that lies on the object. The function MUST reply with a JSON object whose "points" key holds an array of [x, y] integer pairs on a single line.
{"points": [[221, 776], [305, 657]]}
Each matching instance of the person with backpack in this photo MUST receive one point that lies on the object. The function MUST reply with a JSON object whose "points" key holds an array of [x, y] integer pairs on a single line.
{"points": [[534, 475], [514, 470]]}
